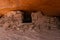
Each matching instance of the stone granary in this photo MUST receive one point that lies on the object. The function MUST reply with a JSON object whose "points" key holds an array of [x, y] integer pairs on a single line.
{"points": [[25, 20], [48, 7]]}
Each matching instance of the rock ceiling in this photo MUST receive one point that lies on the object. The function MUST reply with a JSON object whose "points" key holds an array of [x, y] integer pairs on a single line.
{"points": [[48, 7]]}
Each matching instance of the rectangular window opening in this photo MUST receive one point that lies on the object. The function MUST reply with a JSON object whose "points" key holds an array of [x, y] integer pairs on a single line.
{"points": [[26, 18]]}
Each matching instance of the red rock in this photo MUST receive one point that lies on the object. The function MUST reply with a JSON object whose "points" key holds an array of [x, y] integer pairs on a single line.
{"points": [[48, 7]]}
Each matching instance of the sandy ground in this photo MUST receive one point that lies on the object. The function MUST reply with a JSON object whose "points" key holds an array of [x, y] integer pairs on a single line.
{"points": [[12, 29]]}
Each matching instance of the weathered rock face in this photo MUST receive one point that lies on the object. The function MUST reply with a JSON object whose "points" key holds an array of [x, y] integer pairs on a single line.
{"points": [[48, 7]]}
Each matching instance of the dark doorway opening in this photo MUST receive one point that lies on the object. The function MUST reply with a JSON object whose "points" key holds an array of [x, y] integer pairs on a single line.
{"points": [[26, 17]]}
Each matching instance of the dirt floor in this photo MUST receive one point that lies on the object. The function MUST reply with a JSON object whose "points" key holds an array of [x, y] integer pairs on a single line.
{"points": [[45, 28]]}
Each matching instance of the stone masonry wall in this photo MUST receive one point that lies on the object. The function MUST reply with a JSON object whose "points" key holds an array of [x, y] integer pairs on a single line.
{"points": [[13, 21]]}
